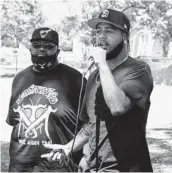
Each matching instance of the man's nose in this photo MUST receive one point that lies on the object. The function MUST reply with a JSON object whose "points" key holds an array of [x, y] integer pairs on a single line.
{"points": [[41, 47], [102, 35]]}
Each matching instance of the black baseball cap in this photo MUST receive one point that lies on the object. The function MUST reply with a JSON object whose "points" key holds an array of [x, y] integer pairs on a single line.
{"points": [[114, 17], [46, 34]]}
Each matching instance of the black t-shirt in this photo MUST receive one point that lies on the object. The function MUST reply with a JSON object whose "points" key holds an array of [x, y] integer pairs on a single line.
{"points": [[128, 135], [42, 110]]}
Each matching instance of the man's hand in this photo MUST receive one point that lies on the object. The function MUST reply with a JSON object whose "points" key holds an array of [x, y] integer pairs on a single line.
{"points": [[59, 153], [99, 55]]}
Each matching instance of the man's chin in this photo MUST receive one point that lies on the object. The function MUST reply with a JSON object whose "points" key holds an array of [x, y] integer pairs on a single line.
{"points": [[108, 51]]}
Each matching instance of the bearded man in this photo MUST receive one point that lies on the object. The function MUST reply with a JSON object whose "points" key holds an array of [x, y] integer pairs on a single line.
{"points": [[43, 106], [116, 102]]}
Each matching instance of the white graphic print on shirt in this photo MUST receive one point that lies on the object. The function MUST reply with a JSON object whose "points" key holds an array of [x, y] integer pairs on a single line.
{"points": [[33, 127]]}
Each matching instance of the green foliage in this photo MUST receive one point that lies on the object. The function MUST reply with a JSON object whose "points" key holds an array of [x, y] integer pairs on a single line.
{"points": [[155, 15], [19, 19], [68, 28], [77, 24]]}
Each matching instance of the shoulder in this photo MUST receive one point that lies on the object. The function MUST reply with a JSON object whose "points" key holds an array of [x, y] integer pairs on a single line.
{"points": [[73, 75], [134, 65], [22, 76], [135, 62], [69, 70], [23, 73], [136, 69]]}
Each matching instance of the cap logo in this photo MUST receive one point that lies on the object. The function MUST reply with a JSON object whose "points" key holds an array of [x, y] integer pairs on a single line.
{"points": [[43, 33], [105, 14]]}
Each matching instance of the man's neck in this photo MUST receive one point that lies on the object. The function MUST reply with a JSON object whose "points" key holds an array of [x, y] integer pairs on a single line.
{"points": [[116, 61]]}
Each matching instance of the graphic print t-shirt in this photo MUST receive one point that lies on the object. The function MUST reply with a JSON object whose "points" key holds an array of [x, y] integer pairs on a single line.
{"points": [[42, 110]]}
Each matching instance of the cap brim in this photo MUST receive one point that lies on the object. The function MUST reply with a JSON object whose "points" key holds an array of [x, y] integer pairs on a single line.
{"points": [[92, 23], [44, 39]]}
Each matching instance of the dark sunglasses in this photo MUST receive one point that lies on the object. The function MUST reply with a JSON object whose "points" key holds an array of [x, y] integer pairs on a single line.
{"points": [[44, 45]]}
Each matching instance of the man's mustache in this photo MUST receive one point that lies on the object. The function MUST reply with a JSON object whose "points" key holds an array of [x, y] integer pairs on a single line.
{"points": [[102, 43], [41, 52]]}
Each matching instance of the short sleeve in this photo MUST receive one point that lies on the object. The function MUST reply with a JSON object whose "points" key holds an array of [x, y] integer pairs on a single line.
{"points": [[10, 117], [138, 84]]}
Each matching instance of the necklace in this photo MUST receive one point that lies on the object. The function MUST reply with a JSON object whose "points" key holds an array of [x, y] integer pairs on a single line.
{"points": [[97, 79]]}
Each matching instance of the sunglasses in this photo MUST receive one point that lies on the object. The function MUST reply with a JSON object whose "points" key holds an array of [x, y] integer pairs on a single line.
{"points": [[43, 45]]}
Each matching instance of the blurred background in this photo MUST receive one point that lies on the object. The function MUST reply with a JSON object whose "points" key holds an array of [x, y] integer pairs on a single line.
{"points": [[150, 41]]}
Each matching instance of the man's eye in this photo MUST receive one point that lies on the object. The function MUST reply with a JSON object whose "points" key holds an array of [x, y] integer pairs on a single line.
{"points": [[49, 46], [97, 31], [36, 46], [45, 46], [109, 31]]}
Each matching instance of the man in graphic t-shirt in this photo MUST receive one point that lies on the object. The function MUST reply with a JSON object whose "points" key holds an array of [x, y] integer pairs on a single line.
{"points": [[43, 106]]}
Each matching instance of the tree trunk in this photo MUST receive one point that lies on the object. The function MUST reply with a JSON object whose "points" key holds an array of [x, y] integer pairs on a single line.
{"points": [[165, 47]]}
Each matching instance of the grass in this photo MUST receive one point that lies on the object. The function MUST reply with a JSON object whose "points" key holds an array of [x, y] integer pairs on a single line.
{"points": [[160, 146], [4, 156]]}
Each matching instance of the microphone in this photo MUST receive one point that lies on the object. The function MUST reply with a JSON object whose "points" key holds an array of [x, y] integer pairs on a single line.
{"points": [[90, 64]]}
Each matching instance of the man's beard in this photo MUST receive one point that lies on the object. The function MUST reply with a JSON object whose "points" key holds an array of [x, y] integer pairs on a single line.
{"points": [[116, 51], [43, 63]]}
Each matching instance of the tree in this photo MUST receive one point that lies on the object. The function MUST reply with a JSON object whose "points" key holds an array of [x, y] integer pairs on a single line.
{"points": [[68, 28], [19, 19], [76, 24], [155, 15]]}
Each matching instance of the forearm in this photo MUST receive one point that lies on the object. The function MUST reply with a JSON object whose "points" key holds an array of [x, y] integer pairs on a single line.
{"points": [[115, 98], [80, 140]]}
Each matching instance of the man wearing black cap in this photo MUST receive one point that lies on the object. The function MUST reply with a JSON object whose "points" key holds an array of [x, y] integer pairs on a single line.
{"points": [[43, 106], [116, 102]]}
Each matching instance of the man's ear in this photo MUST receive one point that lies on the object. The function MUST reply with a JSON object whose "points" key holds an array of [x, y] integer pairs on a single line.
{"points": [[29, 47], [126, 42], [57, 52]]}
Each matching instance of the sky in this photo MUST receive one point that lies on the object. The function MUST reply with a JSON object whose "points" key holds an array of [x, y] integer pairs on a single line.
{"points": [[56, 10]]}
